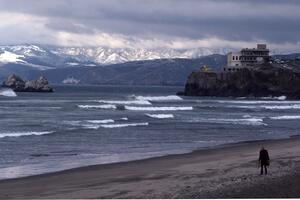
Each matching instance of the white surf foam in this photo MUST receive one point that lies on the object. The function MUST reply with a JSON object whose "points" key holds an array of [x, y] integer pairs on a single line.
{"points": [[286, 117], [158, 108], [161, 116], [245, 107], [7, 93], [159, 98], [108, 106], [129, 102], [123, 125], [255, 102], [282, 98], [49, 107], [18, 134], [104, 121], [285, 107], [72, 123], [90, 126], [247, 121], [124, 118], [275, 107]]}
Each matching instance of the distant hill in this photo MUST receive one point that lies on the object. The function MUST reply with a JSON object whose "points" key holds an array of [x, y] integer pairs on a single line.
{"points": [[153, 72], [293, 56]]}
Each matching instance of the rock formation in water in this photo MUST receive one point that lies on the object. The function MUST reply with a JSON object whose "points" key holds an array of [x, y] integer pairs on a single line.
{"points": [[19, 85], [260, 81], [15, 82]]}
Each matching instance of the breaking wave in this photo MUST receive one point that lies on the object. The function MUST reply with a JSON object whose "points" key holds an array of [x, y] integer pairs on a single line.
{"points": [[160, 116], [255, 102], [159, 98], [94, 124], [158, 108], [247, 116], [129, 102], [89, 124], [247, 121], [104, 121], [72, 123], [18, 134], [281, 98], [245, 107], [7, 93], [295, 106], [108, 106], [123, 125], [275, 107], [286, 117]]}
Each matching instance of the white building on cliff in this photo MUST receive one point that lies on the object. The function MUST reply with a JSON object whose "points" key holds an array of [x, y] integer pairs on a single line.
{"points": [[247, 58]]}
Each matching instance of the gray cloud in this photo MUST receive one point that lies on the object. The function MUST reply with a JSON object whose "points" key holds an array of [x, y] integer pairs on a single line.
{"points": [[273, 21]]}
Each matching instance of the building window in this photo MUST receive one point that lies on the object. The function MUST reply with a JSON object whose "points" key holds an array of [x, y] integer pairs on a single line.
{"points": [[232, 57]]}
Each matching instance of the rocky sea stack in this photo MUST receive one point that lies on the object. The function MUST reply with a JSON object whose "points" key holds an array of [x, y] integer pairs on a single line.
{"points": [[260, 81], [19, 85]]}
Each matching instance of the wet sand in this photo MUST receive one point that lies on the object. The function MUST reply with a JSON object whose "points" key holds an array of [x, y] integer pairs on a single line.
{"points": [[225, 172]]}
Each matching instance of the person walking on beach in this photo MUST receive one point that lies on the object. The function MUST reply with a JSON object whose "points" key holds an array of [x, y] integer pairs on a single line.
{"points": [[264, 160]]}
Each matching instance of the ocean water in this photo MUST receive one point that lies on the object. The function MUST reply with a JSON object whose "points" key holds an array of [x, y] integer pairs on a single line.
{"points": [[85, 125]]}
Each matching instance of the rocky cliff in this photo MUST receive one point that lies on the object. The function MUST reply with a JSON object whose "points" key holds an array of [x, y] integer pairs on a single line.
{"points": [[19, 85], [261, 81]]}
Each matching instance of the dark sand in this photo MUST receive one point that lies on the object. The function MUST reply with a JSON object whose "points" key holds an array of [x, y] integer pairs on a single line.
{"points": [[225, 172]]}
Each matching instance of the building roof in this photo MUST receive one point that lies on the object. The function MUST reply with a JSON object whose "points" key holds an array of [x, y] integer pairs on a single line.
{"points": [[254, 49]]}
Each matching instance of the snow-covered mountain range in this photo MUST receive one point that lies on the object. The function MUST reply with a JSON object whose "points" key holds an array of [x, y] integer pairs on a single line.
{"points": [[98, 65], [103, 55], [48, 57]]}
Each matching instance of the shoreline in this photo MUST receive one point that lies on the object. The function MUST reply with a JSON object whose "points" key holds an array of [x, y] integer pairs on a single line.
{"points": [[125, 177], [220, 146]]}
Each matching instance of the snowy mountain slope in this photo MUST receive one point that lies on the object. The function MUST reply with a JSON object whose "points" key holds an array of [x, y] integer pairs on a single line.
{"points": [[38, 57], [45, 57], [102, 55], [8, 57]]}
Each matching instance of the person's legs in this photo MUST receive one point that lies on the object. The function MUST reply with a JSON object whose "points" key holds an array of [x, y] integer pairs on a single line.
{"points": [[266, 171], [261, 169]]}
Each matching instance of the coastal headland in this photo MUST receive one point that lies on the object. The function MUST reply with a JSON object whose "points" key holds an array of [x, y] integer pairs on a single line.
{"points": [[248, 73], [259, 81], [229, 171]]}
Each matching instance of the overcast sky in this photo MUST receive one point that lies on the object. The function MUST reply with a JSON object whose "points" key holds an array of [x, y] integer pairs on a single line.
{"points": [[176, 24]]}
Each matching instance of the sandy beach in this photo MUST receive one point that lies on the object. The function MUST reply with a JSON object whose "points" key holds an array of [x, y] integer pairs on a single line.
{"points": [[225, 172]]}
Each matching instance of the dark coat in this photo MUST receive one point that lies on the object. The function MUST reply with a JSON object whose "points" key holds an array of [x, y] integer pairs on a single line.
{"points": [[264, 157]]}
